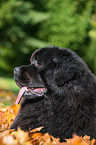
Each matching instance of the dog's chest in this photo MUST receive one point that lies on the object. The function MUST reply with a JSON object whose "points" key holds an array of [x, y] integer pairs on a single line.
{"points": [[37, 113]]}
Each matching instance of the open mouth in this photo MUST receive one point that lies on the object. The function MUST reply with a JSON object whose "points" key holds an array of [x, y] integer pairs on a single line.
{"points": [[29, 91]]}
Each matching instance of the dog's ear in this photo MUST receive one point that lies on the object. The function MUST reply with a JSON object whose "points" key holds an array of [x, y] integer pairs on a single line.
{"points": [[64, 75]]}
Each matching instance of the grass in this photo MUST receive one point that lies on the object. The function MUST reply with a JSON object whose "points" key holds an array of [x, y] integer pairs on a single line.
{"points": [[8, 84]]}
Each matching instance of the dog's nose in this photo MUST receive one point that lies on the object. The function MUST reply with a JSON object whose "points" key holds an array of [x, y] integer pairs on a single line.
{"points": [[16, 69]]}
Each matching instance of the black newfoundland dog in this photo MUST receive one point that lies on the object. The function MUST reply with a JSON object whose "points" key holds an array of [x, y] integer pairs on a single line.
{"points": [[60, 94]]}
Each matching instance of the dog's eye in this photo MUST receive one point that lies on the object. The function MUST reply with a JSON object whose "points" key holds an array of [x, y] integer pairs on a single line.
{"points": [[38, 64]]}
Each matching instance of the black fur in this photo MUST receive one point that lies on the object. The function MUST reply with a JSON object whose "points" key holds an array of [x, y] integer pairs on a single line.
{"points": [[69, 105]]}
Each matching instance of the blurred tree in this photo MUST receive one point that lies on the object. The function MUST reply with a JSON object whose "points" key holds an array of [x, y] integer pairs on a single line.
{"points": [[69, 25], [26, 25], [92, 49], [18, 32]]}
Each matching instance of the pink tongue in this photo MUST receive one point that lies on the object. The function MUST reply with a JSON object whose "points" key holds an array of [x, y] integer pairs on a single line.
{"points": [[21, 92]]}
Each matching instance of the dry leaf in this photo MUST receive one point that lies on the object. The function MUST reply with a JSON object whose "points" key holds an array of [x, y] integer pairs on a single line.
{"points": [[33, 137]]}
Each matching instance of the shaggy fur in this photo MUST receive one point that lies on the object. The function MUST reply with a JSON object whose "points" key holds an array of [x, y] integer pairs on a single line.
{"points": [[69, 104]]}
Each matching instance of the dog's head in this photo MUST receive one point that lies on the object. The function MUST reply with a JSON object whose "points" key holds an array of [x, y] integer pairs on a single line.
{"points": [[51, 70]]}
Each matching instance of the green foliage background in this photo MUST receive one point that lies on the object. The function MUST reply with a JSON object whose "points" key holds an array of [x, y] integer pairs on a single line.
{"points": [[26, 25]]}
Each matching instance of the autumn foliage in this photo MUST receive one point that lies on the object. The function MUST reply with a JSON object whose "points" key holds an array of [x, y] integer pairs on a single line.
{"points": [[33, 137]]}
